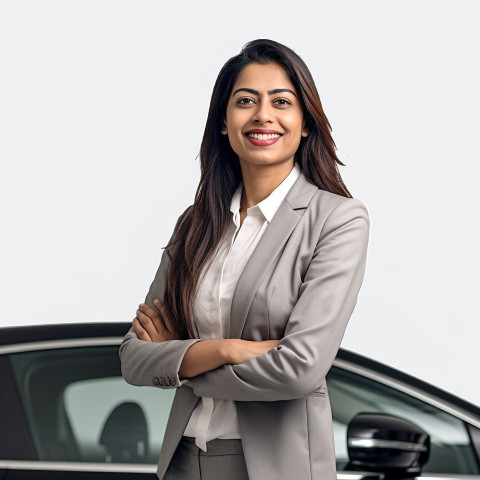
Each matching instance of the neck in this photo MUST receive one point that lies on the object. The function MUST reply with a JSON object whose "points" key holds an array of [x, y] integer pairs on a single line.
{"points": [[260, 181]]}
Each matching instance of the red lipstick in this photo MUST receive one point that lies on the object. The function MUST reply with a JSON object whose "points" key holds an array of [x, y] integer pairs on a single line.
{"points": [[262, 137]]}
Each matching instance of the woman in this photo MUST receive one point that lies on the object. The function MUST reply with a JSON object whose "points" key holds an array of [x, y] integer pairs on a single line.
{"points": [[255, 288]]}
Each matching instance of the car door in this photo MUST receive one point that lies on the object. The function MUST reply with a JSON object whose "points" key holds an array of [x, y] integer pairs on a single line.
{"points": [[67, 411]]}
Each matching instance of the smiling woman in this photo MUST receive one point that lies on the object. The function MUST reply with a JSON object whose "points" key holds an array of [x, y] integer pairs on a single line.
{"points": [[255, 288], [264, 112]]}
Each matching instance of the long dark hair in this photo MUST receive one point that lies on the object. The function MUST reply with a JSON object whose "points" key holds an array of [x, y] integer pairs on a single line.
{"points": [[201, 229]]}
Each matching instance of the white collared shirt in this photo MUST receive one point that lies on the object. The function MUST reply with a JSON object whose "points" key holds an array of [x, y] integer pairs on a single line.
{"points": [[214, 418]]}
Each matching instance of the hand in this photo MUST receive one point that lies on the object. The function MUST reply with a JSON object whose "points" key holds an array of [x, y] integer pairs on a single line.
{"points": [[153, 326], [241, 350]]}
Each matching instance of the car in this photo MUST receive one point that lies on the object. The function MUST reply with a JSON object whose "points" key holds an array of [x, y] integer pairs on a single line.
{"points": [[67, 413]]}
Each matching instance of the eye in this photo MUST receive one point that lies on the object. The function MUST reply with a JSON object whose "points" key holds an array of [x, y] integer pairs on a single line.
{"points": [[282, 102], [245, 101]]}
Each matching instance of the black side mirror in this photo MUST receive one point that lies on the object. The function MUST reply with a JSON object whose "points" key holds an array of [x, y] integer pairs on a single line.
{"points": [[387, 444]]}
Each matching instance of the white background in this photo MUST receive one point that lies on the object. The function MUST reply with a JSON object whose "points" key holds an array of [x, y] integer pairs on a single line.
{"points": [[102, 110]]}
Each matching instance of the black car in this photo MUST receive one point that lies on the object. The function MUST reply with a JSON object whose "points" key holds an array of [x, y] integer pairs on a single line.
{"points": [[66, 413]]}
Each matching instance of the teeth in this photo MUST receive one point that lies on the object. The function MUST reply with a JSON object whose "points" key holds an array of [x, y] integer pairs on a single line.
{"points": [[263, 136]]}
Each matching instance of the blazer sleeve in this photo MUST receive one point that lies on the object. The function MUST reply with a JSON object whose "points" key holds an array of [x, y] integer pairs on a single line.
{"points": [[297, 367], [150, 363]]}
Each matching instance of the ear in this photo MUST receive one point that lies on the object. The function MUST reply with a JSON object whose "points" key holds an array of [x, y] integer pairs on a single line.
{"points": [[305, 130], [224, 128]]}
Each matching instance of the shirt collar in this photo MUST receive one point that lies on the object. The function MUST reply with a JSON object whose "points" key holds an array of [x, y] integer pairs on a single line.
{"points": [[269, 206]]}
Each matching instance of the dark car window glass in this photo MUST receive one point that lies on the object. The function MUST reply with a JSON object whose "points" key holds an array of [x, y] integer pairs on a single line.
{"points": [[90, 403], [80, 409], [451, 449]]}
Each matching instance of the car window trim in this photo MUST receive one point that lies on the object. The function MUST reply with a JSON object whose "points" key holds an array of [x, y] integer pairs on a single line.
{"points": [[409, 390], [56, 344], [77, 466], [126, 468], [152, 468]]}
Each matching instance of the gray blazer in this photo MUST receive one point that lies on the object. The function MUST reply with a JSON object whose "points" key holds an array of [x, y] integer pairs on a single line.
{"points": [[300, 285]]}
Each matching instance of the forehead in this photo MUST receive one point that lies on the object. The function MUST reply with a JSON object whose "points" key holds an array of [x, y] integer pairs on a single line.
{"points": [[263, 77]]}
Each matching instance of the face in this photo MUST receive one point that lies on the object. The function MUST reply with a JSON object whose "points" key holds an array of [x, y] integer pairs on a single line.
{"points": [[264, 119]]}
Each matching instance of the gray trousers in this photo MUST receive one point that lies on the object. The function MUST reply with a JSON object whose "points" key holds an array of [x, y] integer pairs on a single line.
{"points": [[223, 460]]}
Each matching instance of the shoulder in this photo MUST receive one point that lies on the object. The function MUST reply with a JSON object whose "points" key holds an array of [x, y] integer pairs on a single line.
{"points": [[329, 212], [332, 203], [176, 230], [183, 216], [307, 198], [326, 204]]}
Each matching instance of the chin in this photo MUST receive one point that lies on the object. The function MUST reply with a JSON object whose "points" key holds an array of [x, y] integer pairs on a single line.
{"points": [[266, 163]]}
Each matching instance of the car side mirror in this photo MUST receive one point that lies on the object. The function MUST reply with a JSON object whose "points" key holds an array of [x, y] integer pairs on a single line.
{"points": [[384, 443]]}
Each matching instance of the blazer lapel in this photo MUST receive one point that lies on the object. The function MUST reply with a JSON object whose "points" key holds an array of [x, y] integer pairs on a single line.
{"points": [[274, 238]]}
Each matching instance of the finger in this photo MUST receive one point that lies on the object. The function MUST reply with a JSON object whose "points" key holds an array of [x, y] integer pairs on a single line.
{"points": [[149, 312], [140, 331], [165, 314], [152, 314], [147, 324]]}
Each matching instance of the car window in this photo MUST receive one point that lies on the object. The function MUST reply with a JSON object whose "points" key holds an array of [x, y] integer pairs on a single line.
{"points": [[90, 403], [350, 394], [80, 409]]}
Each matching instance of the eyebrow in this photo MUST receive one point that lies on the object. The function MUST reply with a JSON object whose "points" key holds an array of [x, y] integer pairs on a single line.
{"points": [[270, 92]]}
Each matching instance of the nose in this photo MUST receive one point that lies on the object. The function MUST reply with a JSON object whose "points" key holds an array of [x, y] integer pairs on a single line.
{"points": [[263, 113]]}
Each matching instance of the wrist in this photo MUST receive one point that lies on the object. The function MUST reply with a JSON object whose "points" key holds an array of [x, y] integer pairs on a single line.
{"points": [[228, 347]]}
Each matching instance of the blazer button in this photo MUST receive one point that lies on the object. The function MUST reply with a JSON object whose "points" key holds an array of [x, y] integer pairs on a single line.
{"points": [[156, 381], [167, 382], [173, 381]]}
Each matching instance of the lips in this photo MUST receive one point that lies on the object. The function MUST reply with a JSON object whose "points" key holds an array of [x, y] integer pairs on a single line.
{"points": [[262, 138]]}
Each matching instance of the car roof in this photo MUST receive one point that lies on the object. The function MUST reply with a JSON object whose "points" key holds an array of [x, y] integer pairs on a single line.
{"points": [[48, 332]]}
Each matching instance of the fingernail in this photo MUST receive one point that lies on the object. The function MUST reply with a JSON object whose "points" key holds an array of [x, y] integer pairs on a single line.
{"points": [[156, 300]]}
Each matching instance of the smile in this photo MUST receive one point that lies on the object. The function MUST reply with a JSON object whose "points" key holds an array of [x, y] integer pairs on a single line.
{"points": [[264, 136], [262, 139]]}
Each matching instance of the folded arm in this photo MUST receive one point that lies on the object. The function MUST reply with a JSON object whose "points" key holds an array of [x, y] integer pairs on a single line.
{"points": [[197, 358], [155, 326]]}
